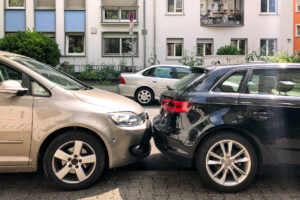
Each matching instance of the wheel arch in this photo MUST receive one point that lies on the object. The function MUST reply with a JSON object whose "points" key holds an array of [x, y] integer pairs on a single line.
{"points": [[60, 131], [147, 87], [252, 140]]}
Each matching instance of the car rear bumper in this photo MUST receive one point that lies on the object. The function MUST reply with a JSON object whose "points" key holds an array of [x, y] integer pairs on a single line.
{"points": [[127, 90], [169, 145]]}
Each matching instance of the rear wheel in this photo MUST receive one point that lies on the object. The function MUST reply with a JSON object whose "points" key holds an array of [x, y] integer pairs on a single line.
{"points": [[74, 160], [144, 96], [227, 162]]}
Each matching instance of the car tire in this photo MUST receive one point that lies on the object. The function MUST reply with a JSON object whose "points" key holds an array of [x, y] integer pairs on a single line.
{"points": [[239, 164], [74, 160], [144, 96]]}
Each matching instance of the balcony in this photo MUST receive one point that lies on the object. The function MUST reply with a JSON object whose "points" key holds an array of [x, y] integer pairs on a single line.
{"points": [[228, 13]]}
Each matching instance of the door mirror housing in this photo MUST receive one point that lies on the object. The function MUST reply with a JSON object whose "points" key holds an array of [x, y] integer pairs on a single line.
{"points": [[12, 87]]}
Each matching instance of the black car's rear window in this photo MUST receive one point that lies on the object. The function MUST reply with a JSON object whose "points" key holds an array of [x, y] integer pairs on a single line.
{"points": [[188, 81]]}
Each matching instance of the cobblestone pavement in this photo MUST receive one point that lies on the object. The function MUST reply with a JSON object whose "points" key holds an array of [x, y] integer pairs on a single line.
{"points": [[155, 177]]}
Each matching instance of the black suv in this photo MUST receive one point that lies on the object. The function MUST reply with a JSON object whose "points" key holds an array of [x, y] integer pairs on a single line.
{"points": [[230, 120]]}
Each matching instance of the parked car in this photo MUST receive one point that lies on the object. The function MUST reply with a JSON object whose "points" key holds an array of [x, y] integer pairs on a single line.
{"points": [[50, 121], [147, 84], [231, 121]]}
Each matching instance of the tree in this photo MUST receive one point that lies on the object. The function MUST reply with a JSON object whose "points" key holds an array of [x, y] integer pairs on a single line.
{"points": [[32, 44]]}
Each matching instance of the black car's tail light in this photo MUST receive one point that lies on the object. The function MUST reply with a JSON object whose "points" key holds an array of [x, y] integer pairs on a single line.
{"points": [[173, 106]]}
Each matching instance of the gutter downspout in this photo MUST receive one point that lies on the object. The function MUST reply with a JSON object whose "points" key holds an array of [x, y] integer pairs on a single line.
{"points": [[145, 34], [154, 27]]}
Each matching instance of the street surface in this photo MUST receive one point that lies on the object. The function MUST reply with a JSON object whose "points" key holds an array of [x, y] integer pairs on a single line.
{"points": [[155, 177]]}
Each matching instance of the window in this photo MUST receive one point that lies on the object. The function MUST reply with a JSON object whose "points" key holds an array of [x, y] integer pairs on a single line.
{"points": [[119, 10], [284, 82], [14, 20], [268, 6], [268, 47], [148, 72], [7, 73], [75, 4], [163, 72], [297, 30], [175, 6], [297, 5], [297, 52], [232, 84], [15, 4], [38, 90], [204, 47], [45, 4], [175, 47], [119, 44], [182, 72], [240, 44], [111, 14], [75, 44]]}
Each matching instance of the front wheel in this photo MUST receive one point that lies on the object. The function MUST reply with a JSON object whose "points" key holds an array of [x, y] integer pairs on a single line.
{"points": [[74, 160], [227, 162]]}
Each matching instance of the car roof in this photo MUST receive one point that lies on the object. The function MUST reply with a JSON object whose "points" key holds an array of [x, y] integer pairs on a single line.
{"points": [[5, 53], [167, 65]]}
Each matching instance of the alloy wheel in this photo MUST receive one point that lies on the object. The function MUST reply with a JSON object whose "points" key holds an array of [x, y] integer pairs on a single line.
{"points": [[144, 96]]}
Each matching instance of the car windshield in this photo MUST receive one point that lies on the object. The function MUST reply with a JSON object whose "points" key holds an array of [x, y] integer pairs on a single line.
{"points": [[187, 81], [49, 73]]}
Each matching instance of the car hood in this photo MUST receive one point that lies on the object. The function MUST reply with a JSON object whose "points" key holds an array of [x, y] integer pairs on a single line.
{"points": [[108, 100]]}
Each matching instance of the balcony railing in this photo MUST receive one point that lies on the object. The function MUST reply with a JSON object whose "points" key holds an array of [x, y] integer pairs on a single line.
{"points": [[222, 18]]}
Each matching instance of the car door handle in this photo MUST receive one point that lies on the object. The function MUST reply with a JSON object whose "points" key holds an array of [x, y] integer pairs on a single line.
{"points": [[154, 81]]}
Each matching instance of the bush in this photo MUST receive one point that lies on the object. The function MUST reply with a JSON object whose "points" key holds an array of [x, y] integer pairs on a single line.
{"points": [[191, 60], [106, 73], [32, 44], [228, 50], [283, 58]]}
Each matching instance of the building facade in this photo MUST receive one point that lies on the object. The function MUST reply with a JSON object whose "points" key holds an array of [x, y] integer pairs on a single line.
{"points": [[97, 31], [296, 28]]}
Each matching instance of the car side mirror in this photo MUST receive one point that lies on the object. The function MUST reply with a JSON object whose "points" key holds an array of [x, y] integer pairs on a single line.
{"points": [[12, 87]]}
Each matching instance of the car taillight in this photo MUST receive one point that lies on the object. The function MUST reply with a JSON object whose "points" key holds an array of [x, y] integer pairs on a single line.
{"points": [[122, 81], [173, 106]]}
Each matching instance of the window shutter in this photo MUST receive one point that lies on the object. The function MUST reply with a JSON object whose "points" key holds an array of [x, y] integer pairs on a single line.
{"points": [[119, 3]]}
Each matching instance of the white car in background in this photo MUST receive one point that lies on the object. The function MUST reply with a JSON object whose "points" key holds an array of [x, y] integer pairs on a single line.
{"points": [[147, 84]]}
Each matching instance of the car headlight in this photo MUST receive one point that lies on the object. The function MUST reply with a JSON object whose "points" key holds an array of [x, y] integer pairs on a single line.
{"points": [[125, 119]]}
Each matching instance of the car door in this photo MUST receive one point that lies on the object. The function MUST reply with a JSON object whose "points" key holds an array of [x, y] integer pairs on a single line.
{"points": [[15, 120], [162, 77], [270, 114]]}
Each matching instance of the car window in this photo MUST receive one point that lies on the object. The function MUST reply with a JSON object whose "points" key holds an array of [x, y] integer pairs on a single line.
{"points": [[38, 90], [284, 82], [148, 72], [232, 83], [163, 72], [8, 73], [182, 72]]}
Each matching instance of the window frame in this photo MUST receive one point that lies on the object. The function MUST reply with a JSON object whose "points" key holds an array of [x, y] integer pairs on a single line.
{"points": [[67, 45], [66, 8], [13, 7], [297, 52], [120, 20], [44, 8], [238, 44], [268, 8], [204, 46], [267, 45], [297, 34], [175, 7], [297, 6], [180, 41], [126, 36]]}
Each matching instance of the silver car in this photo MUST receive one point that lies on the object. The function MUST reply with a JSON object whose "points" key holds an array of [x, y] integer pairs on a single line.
{"points": [[148, 84], [50, 121]]}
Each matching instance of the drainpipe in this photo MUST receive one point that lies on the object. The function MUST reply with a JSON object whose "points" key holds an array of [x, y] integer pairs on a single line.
{"points": [[154, 27], [145, 33]]}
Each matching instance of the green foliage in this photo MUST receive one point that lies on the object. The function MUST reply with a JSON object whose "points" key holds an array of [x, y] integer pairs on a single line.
{"points": [[153, 60], [32, 44], [228, 50], [254, 56], [191, 61], [106, 73], [283, 58]]}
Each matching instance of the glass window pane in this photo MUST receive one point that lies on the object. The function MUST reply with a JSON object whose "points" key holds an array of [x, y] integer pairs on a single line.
{"points": [[298, 30], [200, 49], [170, 5], [272, 5], [242, 47], [111, 46], [7, 73], [264, 6], [271, 47], [208, 49], [178, 50], [127, 46], [178, 5], [75, 4], [38, 90], [45, 4], [234, 43], [182, 72], [231, 84], [76, 43], [263, 47], [171, 49], [163, 72], [125, 14], [111, 14], [16, 3]]}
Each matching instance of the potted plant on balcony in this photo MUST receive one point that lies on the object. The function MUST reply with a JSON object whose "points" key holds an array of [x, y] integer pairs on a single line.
{"points": [[231, 12], [208, 12], [237, 12], [238, 17], [225, 11], [219, 11]]}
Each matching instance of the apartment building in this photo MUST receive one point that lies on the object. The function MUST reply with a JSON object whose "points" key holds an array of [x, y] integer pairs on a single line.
{"points": [[97, 31], [296, 28]]}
